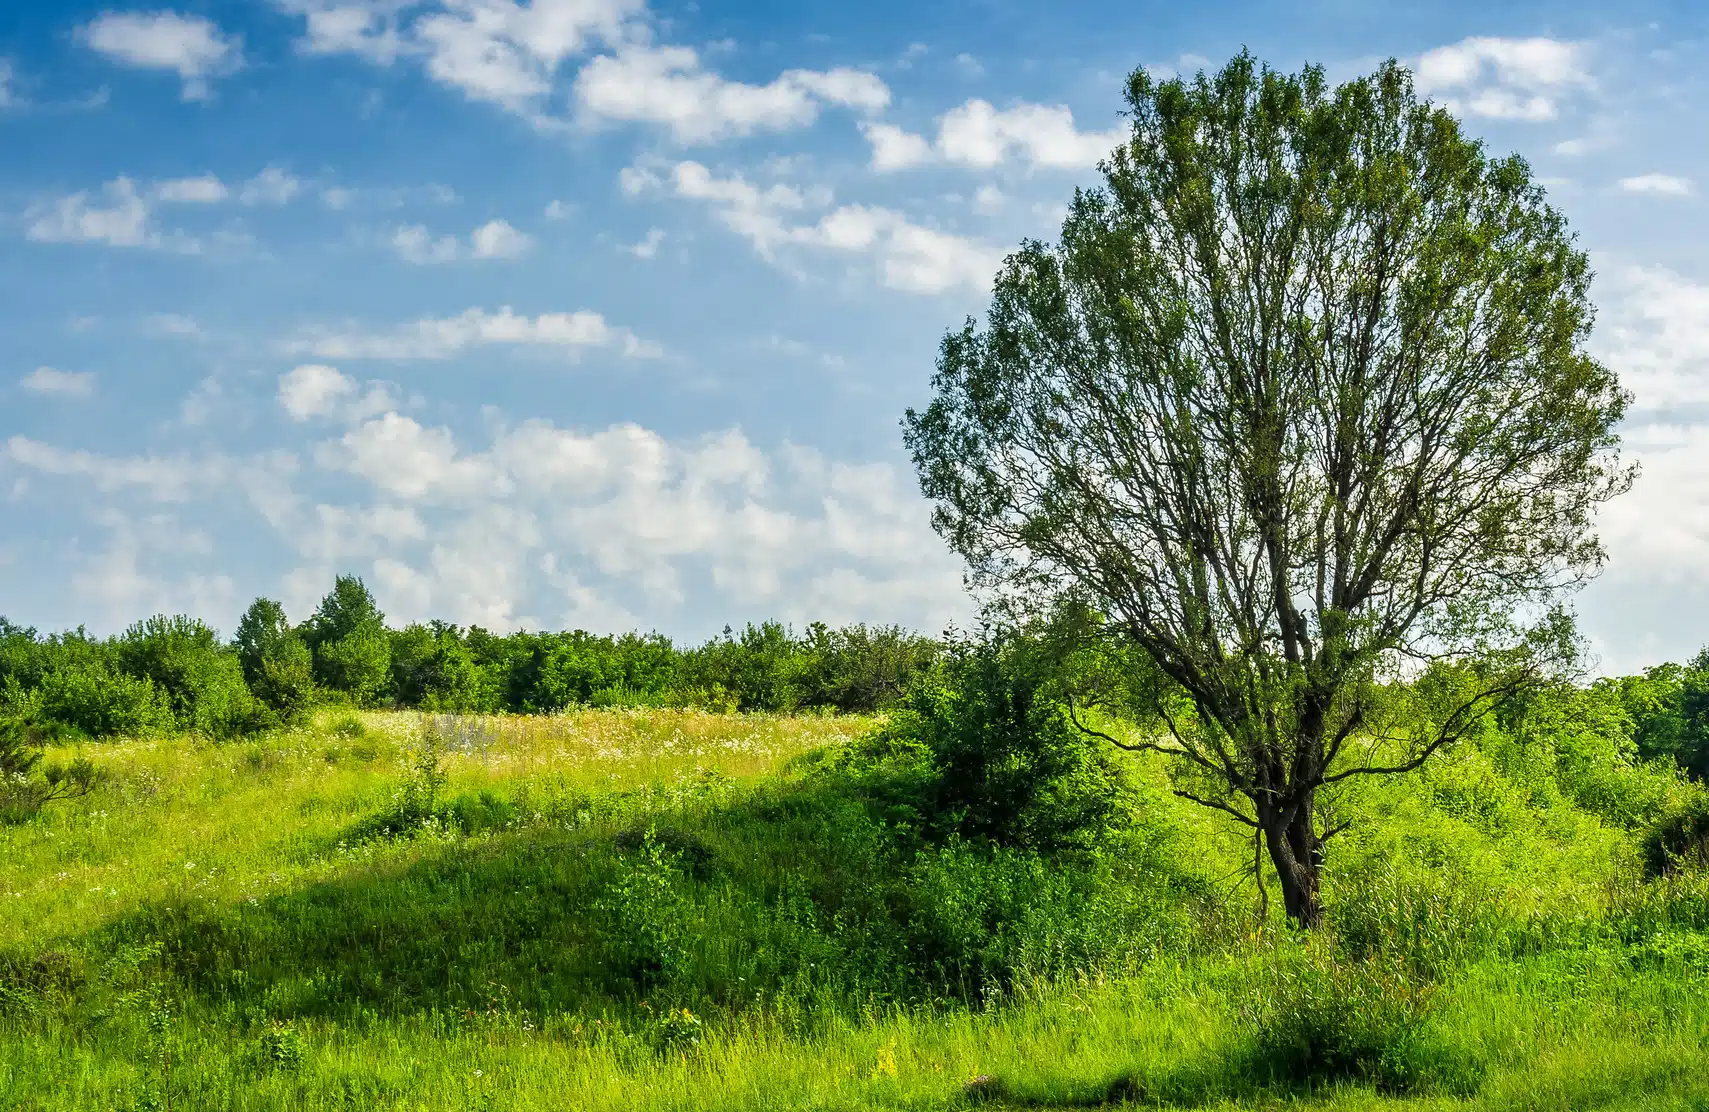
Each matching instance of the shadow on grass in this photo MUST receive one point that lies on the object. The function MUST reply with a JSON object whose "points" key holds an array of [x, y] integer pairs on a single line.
{"points": [[703, 906]]}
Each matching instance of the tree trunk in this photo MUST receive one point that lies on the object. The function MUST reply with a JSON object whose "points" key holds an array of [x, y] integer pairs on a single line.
{"points": [[1297, 853]]}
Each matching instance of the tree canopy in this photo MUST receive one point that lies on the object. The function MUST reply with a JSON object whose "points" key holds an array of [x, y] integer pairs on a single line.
{"points": [[1299, 396]]}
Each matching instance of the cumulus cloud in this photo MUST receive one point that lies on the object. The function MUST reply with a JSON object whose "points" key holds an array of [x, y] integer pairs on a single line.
{"points": [[415, 244], [443, 337], [1654, 332], [629, 506], [271, 186], [496, 239], [62, 384], [8, 96], [666, 85], [313, 390], [648, 247], [1503, 78], [513, 55], [118, 218], [539, 524], [190, 45], [1665, 184], [978, 135], [904, 255], [494, 51]]}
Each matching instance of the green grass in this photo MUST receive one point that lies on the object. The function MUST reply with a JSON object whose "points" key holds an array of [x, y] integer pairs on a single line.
{"points": [[240, 927]]}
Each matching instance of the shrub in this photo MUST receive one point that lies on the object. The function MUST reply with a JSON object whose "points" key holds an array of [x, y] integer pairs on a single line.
{"points": [[276, 662], [26, 784], [1006, 764], [1680, 839], [202, 681], [95, 700], [644, 917], [1427, 921], [982, 920], [1315, 1020]]}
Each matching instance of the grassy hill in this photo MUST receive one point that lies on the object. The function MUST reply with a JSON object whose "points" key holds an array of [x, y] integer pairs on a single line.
{"points": [[675, 909]]}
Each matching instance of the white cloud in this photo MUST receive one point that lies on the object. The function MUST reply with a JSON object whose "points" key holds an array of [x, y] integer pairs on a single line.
{"points": [[8, 97], [189, 44], [508, 53], [313, 390], [403, 459], [648, 247], [559, 210], [316, 390], [978, 135], [63, 384], [666, 85], [496, 239], [1654, 332], [513, 55], [1665, 184], [895, 149], [585, 527], [363, 27], [441, 338], [1503, 78], [204, 190], [630, 507], [121, 222], [415, 244], [165, 479], [905, 255], [988, 199], [495, 51], [271, 186]]}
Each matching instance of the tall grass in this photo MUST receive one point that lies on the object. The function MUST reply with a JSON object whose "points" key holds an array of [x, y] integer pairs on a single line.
{"points": [[678, 910]]}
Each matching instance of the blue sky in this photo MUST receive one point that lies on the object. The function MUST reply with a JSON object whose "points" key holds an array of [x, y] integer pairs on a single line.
{"points": [[600, 313]]}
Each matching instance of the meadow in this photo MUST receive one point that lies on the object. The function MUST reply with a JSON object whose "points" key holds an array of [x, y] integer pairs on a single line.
{"points": [[671, 909]]}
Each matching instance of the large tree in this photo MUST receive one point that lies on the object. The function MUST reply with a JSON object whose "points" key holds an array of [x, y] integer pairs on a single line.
{"points": [[1300, 396]]}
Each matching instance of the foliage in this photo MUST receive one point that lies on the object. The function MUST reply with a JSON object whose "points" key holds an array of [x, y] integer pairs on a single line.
{"points": [[1669, 705], [277, 663], [347, 639], [201, 679], [1300, 392], [987, 753], [1320, 1020], [26, 784], [1680, 839]]}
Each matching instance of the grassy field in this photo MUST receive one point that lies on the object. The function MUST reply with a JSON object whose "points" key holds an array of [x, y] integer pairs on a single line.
{"points": [[672, 909]]}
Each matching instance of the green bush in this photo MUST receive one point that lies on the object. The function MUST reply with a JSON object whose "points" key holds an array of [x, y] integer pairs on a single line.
{"points": [[1679, 839], [988, 745], [201, 679], [276, 661], [1316, 1020], [645, 918], [94, 699]]}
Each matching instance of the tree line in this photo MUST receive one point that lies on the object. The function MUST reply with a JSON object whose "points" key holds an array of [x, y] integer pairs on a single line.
{"points": [[176, 674]]}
